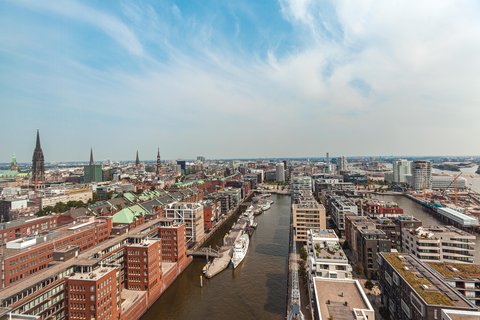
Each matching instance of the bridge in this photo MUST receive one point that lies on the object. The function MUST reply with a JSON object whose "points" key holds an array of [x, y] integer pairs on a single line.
{"points": [[204, 252], [295, 312]]}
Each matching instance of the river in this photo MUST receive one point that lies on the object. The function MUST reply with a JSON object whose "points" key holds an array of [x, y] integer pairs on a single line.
{"points": [[257, 289], [414, 209]]}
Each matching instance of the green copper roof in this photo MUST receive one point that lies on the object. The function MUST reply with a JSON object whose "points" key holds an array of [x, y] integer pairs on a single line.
{"points": [[130, 196], [124, 216], [138, 210]]}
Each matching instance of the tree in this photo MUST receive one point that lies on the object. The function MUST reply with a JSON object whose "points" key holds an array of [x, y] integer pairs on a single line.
{"points": [[369, 285], [152, 188], [358, 269], [303, 254]]}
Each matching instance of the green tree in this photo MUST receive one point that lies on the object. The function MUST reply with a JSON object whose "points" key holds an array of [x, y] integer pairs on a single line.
{"points": [[303, 254], [369, 285], [358, 269]]}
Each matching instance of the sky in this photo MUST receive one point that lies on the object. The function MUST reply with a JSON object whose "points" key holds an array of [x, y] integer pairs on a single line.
{"points": [[239, 79]]}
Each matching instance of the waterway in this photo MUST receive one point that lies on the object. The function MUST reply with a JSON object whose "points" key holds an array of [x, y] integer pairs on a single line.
{"points": [[414, 209], [257, 289]]}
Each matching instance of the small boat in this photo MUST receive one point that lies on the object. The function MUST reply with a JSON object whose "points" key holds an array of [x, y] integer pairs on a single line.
{"points": [[240, 249]]}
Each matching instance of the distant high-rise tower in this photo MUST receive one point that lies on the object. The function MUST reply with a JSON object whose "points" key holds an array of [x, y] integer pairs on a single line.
{"points": [[158, 162], [13, 164], [328, 163], [137, 161], [38, 168]]}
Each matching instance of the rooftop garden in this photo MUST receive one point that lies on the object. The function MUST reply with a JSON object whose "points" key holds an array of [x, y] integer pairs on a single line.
{"points": [[464, 270], [430, 296]]}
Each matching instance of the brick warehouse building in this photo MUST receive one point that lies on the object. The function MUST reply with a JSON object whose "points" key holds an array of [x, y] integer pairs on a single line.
{"points": [[17, 263], [94, 295]]}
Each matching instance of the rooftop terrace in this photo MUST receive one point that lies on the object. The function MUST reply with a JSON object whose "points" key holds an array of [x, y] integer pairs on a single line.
{"points": [[431, 289]]}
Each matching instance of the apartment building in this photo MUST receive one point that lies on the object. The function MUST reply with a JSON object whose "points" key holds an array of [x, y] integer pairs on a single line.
{"points": [[190, 215], [340, 299], [338, 207], [366, 241], [301, 187], [439, 244], [307, 214], [410, 290], [326, 258], [465, 278]]}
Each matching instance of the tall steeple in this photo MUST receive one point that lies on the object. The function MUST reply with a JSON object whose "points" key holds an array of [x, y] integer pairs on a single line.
{"points": [[91, 157], [38, 162], [158, 162], [13, 164], [137, 161]]}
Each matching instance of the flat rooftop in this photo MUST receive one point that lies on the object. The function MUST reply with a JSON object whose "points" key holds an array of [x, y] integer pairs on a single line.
{"points": [[92, 276], [431, 289], [440, 231], [461, 315], [323, 233], [457, 270], [340, 299]]}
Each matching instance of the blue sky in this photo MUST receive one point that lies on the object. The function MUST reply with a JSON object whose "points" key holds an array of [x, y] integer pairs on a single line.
{"points": [[239, 78]]}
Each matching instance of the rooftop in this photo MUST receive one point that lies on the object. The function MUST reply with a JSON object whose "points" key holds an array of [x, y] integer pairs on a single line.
{"points": [[430, 288], [457, 270], [93, 275], [341, 298], [438, 232]]}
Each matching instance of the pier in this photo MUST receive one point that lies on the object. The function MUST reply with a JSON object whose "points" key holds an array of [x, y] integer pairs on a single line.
{"points": [[221, 263]]}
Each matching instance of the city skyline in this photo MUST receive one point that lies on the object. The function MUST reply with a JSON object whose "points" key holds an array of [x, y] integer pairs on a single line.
{"points": [[229, 79]]}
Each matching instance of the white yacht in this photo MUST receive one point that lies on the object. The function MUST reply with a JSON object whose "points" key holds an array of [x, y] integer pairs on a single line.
{"points": [[240, 249]]}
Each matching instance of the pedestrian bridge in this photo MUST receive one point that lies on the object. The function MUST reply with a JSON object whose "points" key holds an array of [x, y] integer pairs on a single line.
{"points": [[204, 252]]}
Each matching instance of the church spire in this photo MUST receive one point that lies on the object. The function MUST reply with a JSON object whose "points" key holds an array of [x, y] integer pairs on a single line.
{"points": [[158, 162], [37, 146], [137, 161], [91, 157]]}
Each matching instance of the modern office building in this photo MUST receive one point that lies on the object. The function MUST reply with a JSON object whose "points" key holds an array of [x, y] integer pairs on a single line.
{"points": [[401, 169], [280, 172], [439, 244], [190, 215], [307, 214], [421, 177], [410, 290]]}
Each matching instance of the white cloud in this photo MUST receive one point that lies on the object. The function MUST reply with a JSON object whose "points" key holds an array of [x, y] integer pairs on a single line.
{"points": [[109, 24]]}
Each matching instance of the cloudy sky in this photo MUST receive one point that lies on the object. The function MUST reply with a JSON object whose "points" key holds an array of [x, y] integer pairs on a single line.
{"points": [[239, 78]]}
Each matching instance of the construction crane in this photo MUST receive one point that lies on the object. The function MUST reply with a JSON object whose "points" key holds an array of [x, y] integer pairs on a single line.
{"points": [[455, 188]]}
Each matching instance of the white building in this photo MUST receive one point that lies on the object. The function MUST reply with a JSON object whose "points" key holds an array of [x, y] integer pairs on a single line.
{"points": [[280, 172], [439, 244], [401, 168], [421, 175], [342, 164], [189, 214], [301, 185], [447, 182], [326, 258], [338, 207]]}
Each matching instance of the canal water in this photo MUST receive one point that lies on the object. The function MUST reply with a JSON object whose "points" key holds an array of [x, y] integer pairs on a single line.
{"points": [[414, 209], [257, 289]]}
